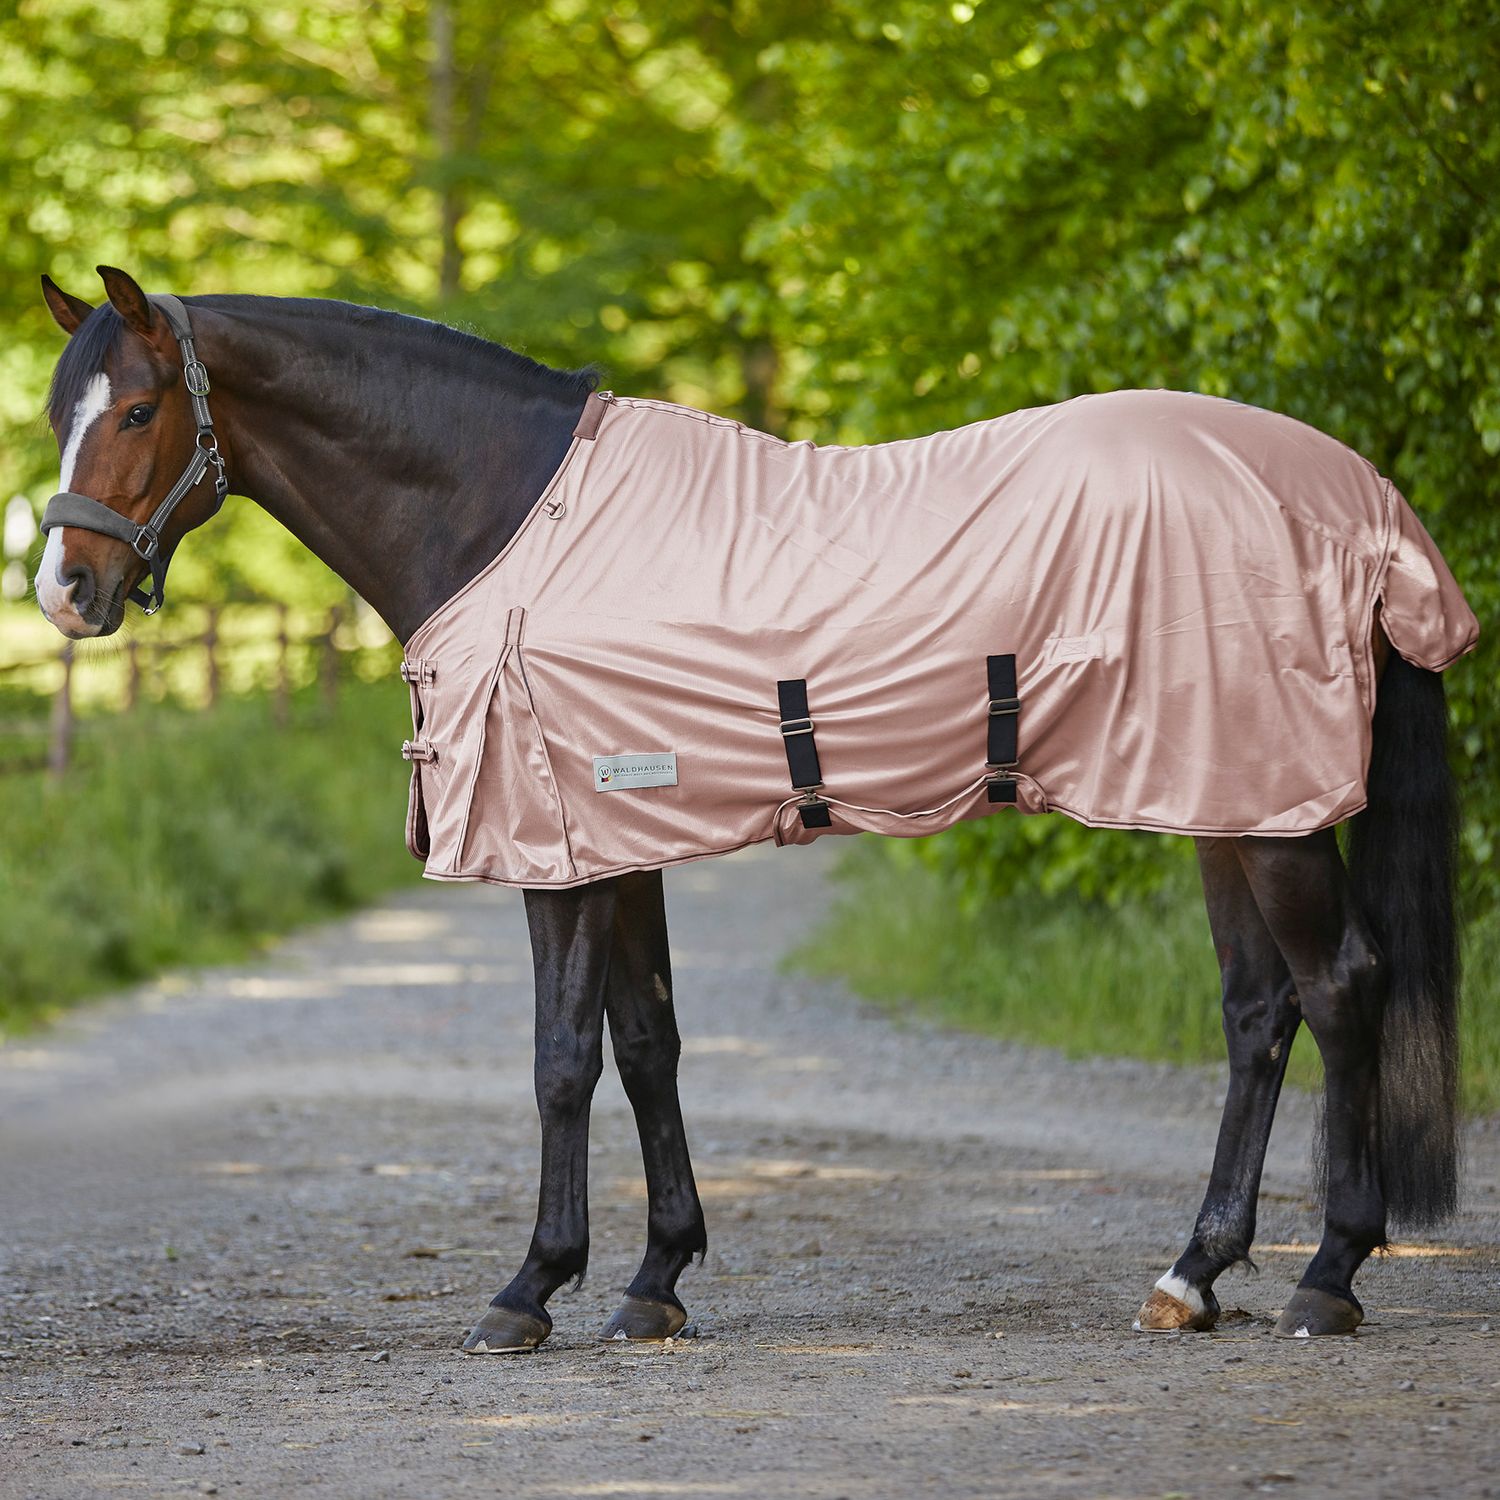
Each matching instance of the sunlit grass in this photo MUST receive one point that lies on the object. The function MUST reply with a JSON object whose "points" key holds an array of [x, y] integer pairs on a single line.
{"points": [[187, 838], [1139, 980]]}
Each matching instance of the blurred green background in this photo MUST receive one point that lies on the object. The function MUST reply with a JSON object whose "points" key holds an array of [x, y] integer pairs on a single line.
{"points": [[849, 220]]}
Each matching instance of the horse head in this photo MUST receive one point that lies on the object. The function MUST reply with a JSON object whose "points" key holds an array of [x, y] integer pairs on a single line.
{"points": [[128, 413]]}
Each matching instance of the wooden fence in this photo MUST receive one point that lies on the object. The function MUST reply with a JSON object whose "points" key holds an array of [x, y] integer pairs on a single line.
{"points": [[281, 651]]}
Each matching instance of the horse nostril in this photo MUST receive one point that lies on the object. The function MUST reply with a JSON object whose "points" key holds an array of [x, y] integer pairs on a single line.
{"points": [[81, 576]]}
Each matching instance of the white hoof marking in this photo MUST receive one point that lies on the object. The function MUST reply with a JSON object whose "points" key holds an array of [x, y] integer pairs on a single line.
{"points": [[1174, 1286]]}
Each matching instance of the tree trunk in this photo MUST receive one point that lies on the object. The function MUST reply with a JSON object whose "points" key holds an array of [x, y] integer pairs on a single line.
{"points": [[60, 737], [758, 367], [443, 89]]}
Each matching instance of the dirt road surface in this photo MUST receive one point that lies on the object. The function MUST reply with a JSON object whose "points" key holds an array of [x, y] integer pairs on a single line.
{"points": [[247, 1216]]}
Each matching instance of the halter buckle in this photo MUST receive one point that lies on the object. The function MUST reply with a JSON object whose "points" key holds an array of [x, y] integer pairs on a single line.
{"points": [[195, 373], [148, 552]]}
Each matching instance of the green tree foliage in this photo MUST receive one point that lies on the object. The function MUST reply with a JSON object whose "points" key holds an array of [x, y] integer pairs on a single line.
{"points": [[857, 220], [546, 175], [986, 206]]}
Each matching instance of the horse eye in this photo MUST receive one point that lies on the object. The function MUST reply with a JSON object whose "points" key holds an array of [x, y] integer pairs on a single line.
{"points": [[138, 416]]}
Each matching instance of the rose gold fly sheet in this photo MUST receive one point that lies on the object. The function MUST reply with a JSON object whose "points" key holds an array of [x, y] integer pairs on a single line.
{"points": [[1187, 586]]}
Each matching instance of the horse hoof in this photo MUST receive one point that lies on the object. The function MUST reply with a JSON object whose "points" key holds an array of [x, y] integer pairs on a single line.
{"points": [[1161, 1312], [1314, 1314], [503, 1330], [640, 1318]]}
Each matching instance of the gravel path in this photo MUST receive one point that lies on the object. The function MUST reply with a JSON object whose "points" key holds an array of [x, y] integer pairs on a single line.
{"points": [[246, 1217]]}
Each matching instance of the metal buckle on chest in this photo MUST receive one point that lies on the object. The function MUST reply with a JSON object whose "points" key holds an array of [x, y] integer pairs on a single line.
{"points": [[419, 673], [422, 750]]}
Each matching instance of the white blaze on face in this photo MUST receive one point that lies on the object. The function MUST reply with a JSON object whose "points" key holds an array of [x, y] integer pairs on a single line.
{"points": [[55, 597]]}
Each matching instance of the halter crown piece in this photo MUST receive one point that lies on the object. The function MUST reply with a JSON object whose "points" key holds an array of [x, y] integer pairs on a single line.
{"points": [[68, 509]]}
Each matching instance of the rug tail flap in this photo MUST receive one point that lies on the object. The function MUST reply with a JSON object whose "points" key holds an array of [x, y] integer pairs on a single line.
{"points": [[1423, 610]]}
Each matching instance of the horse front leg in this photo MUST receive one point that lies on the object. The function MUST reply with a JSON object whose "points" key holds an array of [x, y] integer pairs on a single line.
{"points": [[1261, 1017], [643, 1029], [571, 933]]}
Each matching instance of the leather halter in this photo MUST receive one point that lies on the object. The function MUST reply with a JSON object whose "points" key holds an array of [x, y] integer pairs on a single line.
{"points": [[68, 509]]}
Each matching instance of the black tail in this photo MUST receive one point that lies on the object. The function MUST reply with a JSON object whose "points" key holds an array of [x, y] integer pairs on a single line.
{"points": [[1403, 856]]}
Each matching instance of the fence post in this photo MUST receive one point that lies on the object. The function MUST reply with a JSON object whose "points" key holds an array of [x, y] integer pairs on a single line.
{"points": [[331, 659], [211, 649], [133, 673], [281, 702], [60, 739]]}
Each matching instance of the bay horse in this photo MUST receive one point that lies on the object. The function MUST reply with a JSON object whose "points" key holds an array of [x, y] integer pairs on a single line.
{"points": [[406, 455]]}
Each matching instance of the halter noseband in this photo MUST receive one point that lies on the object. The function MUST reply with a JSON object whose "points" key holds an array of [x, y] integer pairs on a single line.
{"points": [[68, 509]]}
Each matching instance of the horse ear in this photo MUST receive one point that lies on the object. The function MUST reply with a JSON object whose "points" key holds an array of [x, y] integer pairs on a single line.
{"points": [[127, 299], [67, 311]]}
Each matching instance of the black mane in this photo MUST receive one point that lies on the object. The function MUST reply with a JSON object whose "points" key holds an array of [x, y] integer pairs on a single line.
{"points": [[99, 336], [442, 340]]}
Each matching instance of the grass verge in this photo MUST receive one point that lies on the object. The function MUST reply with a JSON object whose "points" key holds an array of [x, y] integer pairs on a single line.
{"points": [[1139, 980], [193, 837]]}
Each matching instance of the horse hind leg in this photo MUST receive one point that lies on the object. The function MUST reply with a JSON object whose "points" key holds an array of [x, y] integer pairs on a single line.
{"points": [[1302, 891], [643, 1030], [1261, 1017]]}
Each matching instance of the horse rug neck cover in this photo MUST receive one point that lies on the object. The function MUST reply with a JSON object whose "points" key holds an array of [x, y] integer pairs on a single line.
{"points": [[1186, 587]]}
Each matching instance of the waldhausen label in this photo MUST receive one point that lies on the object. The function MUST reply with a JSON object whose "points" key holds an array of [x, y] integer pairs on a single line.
{"points": [[614, 773]]}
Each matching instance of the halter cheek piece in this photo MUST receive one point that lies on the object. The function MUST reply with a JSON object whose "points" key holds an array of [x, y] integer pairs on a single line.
{"points": [[68, 509]]}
